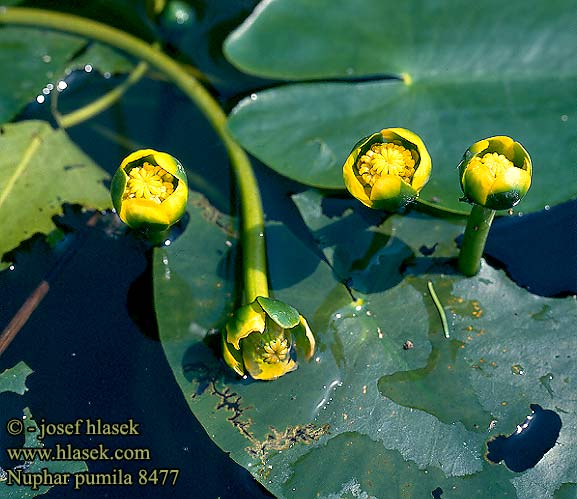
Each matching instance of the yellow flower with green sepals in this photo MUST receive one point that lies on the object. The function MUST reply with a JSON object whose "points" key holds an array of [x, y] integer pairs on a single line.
{"points": [[264, 337], [495, 173], [149, 190], [388, 169]]}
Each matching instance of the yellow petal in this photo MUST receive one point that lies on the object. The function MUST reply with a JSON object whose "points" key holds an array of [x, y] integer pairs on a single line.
{"points": [[259, 369], [232, 357], [386, 187], [247, 319], [352, 183], [139, 212], [478, 181]]}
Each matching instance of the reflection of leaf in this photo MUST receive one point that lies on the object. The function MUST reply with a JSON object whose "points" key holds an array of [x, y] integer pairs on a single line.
{"points": [[40, 168], [463, 72], [29, 60], [14, 379], [404, 421]]}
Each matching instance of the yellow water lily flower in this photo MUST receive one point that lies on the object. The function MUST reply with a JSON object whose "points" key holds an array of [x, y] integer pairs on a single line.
{"points": [[388, 169], [149, 190], [495, 173], [264, 337]]}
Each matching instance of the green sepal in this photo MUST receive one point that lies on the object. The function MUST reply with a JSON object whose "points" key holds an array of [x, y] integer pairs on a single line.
{"points": [[284, 315]]}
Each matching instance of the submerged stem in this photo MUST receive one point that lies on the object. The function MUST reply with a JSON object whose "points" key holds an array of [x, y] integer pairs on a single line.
{"points": [[101, 104], [253, 244], [476, 232]]}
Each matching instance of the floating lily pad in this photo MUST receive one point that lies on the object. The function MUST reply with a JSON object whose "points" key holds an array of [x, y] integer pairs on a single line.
{"points": [[40, 169], [453, 73], [369, 414]]}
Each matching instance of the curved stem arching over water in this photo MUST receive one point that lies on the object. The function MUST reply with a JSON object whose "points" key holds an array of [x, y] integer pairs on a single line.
{"points": [[253, 243]]}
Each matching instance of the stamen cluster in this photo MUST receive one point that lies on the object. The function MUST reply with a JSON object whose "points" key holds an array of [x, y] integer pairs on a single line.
{"points": [[386, 159], [495, 162], [276, 350], [149, 182]]}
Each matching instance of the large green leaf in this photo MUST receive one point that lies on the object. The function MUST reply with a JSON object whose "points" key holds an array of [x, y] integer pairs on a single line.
{"points": [[462, 72], [365, 415], [40, 169], [29, 60]]}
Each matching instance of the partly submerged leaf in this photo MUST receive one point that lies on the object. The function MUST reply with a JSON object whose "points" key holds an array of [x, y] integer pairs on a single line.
{"points": [[462, 72], [40, 169], [30, 59], [367, 415], [14, 378]]}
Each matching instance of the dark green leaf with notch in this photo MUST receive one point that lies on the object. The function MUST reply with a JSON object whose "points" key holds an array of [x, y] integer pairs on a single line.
{"points": [[464, 72]]}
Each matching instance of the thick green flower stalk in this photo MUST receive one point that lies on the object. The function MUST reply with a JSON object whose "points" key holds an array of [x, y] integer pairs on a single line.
{"points": [[265, 334], [495, 174], [149, 190], [388, 169]]}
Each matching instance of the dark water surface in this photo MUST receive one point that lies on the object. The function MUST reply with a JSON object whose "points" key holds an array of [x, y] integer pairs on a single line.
{"points": [[90, 360]]}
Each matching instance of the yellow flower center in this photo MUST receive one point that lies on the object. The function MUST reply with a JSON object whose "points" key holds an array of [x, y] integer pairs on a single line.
{"points": [[276, 351], [149, 182], [495, 162], [386, 159]]}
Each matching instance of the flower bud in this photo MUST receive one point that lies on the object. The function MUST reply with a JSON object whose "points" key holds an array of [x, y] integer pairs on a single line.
{"points": [[149, 190], [495, 173], [387, 169], [264, 337]]}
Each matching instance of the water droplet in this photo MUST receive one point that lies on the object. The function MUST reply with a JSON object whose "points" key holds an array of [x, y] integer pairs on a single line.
{"points": [[338, 316], [61, 85], [358, 308], [40, 99], [547, 207], [107, 75], [50, 86], [45, 90], [46, 58], [88, 68], [168, 242], [518, 369], [11, 267], [253, 96], [228, 243], [564, 117]]}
